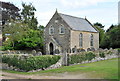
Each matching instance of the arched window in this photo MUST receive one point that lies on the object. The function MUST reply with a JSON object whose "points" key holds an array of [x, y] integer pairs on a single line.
{"points": [[51, 30], [61, 30], [91, 40], [81, 40]]}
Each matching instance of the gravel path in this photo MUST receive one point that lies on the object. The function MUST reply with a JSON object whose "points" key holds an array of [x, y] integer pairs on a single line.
{"points": [[65, 75]]}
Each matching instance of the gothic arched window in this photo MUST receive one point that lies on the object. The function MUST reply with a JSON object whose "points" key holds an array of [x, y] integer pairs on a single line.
{"points": [[91, 40], [51, 30], [81, 40], [61, 30]]}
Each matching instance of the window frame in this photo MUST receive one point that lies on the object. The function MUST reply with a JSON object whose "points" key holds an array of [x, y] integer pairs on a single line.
{"points": [[80, 40], [91, 40], [51, 28], [61, 28]]}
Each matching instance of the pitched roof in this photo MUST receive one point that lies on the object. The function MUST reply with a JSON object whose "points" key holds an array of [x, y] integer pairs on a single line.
{"points": [[78, 23]]}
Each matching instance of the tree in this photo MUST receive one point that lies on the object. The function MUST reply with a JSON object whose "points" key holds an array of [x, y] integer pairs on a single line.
{"points": [[105, 42], [110, 28], [14, 31], [24, 34], [28, 17], [101, 31], [9, 11], [111, 38], [33, 40], [98, 25], [20, 36], [114, 35]]}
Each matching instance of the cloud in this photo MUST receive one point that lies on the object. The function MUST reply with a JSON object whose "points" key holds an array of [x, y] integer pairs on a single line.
{"points": [[104, 13], [82, 3], [44, 17]]}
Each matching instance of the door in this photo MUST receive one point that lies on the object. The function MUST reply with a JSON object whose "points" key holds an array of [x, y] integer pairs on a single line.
{"points": [[51, 48]]}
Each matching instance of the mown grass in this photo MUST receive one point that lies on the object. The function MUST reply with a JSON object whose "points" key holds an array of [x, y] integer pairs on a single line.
{"points": [[106, 69]]}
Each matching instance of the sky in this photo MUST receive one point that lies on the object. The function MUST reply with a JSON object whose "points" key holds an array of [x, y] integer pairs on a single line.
{"points": [[102, 11]]}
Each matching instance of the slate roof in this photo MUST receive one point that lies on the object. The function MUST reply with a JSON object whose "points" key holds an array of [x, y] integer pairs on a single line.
{"points": [[78, 23]]}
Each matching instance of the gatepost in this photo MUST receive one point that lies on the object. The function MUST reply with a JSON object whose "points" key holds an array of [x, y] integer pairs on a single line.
{"points": [[64, 58]]}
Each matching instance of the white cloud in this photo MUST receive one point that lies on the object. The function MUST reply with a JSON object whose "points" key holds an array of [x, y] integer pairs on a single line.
{"points": [[46, 8], [44, 17], [82, 3]]}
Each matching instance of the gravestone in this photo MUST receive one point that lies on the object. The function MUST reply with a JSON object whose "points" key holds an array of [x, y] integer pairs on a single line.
{"points": [[8, 52], [92, 49], [39, 53], [88, 49], [34, 52], [82, 50]]}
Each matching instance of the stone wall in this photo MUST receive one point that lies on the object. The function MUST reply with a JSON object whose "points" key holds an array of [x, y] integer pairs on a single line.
{"points": [[111, 53], [34, 52]]}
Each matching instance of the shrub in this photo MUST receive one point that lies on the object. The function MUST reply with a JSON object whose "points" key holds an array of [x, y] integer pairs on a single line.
{"points": [[118, 50], [102, 54], [90, 56], [30, 63], [78, 58]]}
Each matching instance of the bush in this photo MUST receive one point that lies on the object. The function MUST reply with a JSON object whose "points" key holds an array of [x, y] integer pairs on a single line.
{"points": [[89, 56], [78, 58], [118, 50], [102, 54], [30, 63]]}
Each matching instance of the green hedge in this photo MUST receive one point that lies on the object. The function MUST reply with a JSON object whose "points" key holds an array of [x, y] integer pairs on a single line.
{"points": [[30, 63], [78, 58]]}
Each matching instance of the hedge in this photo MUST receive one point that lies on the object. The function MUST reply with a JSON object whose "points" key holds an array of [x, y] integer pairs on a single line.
{"points": [[30, 63], [78, 58]]}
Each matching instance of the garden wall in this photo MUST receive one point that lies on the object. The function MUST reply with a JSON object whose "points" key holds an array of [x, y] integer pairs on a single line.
{"points": [[90, 56]]}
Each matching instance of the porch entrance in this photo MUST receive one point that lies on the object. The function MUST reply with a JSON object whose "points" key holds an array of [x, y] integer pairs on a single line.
{"points": [[51, 48]]}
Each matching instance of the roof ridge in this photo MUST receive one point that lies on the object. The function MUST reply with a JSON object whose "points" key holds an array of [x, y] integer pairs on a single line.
{"points": [[71, 16]]}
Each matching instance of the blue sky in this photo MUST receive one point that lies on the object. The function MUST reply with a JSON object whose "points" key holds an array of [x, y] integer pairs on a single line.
{"points": [[103, 11]]}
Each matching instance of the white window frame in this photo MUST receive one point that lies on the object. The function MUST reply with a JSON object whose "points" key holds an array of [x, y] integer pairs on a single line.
{"points": [[91, 40], [60, 30], [51, 28], [80, 40]]}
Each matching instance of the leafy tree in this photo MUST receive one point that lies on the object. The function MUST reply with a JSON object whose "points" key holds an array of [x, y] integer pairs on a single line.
{"points": [[20, 36], [28, 17], [101, 31], [9, 11], [33, 40], [114, 35], [24, 34], [111, 38], [14, 31], [98, 25], [110, 28], [105, 42]]}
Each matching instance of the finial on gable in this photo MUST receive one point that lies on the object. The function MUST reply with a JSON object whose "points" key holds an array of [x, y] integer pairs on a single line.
{"points": [[85, 17], [56, 10]]}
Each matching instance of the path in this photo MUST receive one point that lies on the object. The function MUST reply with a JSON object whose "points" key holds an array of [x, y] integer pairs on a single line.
{"points": [[65, 75]]}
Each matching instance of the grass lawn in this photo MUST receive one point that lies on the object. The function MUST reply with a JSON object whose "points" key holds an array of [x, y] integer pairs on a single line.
{"points": [[107, 69]]}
